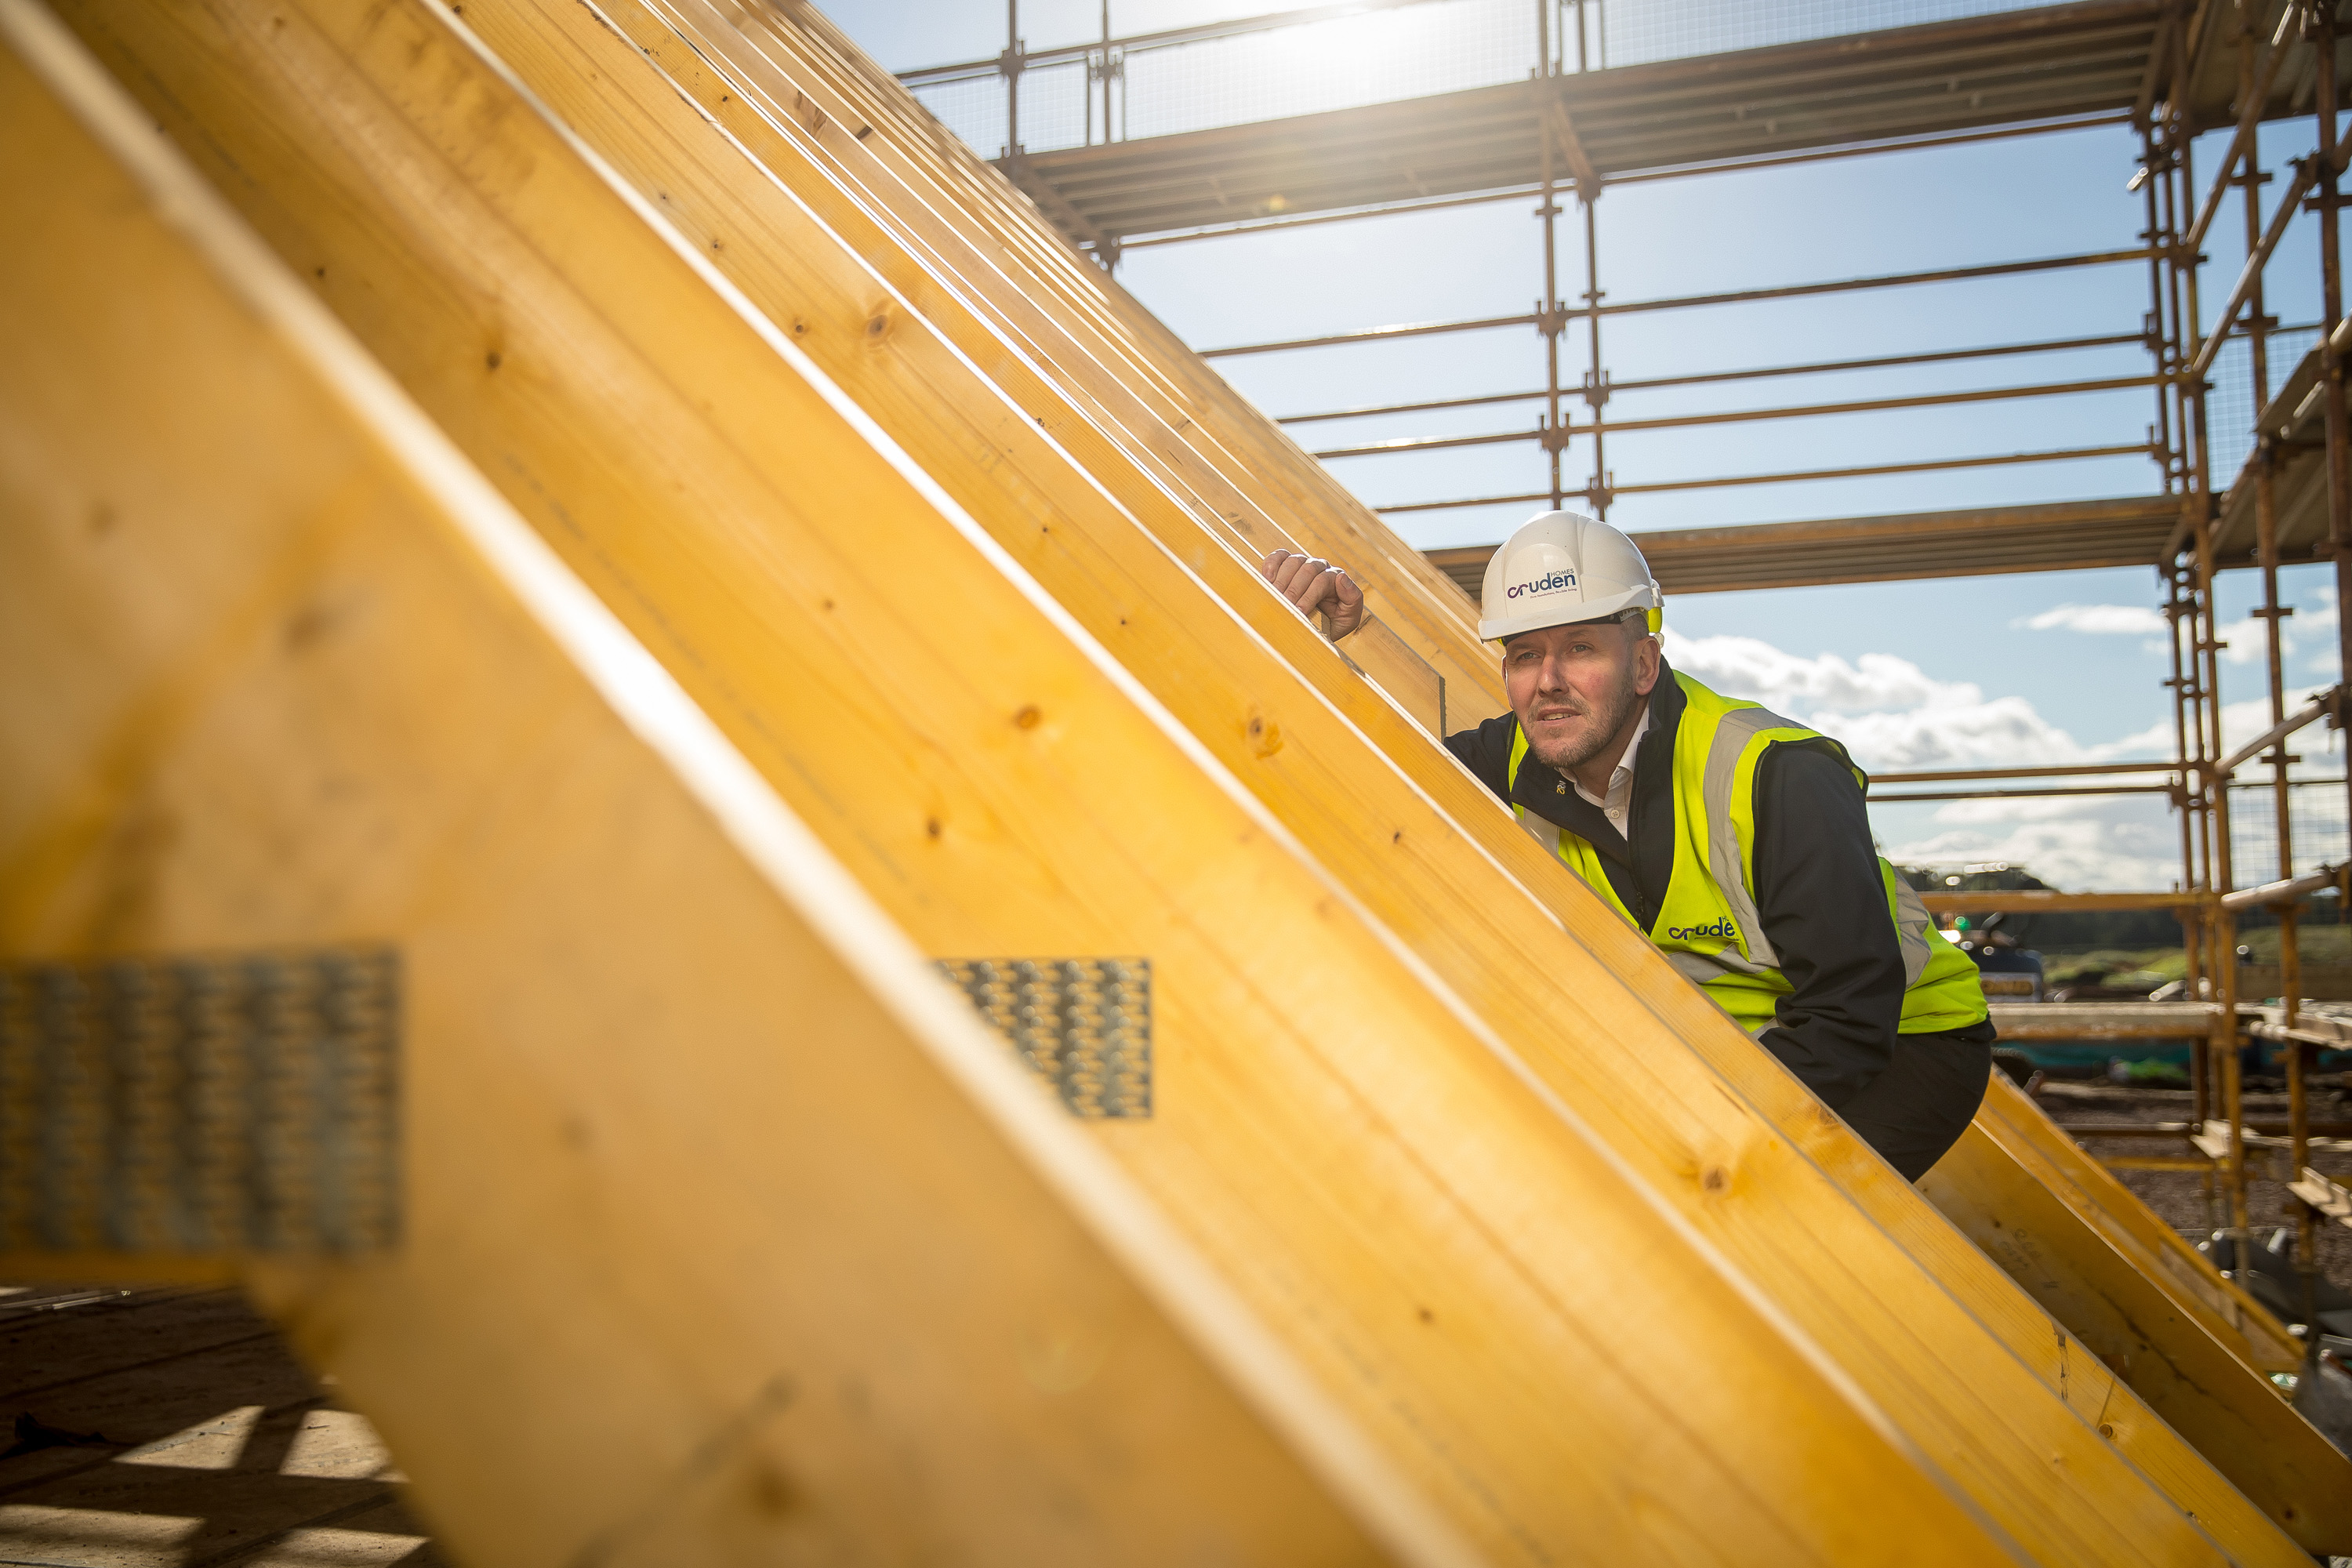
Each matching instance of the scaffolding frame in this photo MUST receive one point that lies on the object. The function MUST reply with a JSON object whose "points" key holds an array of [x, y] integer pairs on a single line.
{"points": [[2210, 928], [2275, 44]]}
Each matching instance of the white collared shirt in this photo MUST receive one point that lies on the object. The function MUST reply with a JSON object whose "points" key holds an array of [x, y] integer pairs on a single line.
{"points": [[1619, 799]]}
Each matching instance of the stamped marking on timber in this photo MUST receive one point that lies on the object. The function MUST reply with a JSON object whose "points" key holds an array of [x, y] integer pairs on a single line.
{"points": [[201, 1103], [1082, 1023]]}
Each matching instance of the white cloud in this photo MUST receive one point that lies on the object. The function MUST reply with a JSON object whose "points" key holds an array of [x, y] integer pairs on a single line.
{"points": [[2244, 642], [2104, 845], [2313, 627], [1963, 731], [2158, 740], [2099, 620], [2240, 722], [1979, 813], [1893, 716], [1889, 712], [1786, 681]]}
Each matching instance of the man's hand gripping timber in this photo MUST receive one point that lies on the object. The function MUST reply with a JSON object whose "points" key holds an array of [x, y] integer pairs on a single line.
{"points": [[1316, 587]]}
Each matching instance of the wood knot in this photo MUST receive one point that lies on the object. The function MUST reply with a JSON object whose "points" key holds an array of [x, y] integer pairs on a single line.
{"points": [[1264, 734], [308, 626], [770, 1491], [1716, 1179], [1027, 718]]}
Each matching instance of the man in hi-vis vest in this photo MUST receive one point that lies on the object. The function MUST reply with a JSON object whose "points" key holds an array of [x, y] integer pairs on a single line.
{"points": [[1736, 841]]}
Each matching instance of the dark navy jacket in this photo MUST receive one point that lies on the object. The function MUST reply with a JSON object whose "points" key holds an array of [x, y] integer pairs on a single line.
{"points": [[1817, 883]]}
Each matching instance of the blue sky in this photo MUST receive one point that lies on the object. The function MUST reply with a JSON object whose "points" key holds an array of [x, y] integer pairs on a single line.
{"points": [[1966, 672]]}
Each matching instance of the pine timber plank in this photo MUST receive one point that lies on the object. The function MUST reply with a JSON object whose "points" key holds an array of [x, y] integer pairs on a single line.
{"points": [[1004, 474], [1255, 480], [846, 128], [1434, 1279], [730, 1234], [2273, 1455], [1068, 418], [1374, 649], [2233, 1316]]}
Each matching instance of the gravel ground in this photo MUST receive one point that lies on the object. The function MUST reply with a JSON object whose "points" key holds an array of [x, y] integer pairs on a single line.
{"points": [[2179, 1196]]}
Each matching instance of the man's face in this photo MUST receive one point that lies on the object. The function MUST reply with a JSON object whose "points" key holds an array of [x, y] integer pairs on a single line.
{"points": [[1575, 688]]}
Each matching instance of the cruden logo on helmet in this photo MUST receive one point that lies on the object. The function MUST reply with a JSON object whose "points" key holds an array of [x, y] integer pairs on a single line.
{"points": [[1560, 568], [1552, 582]]}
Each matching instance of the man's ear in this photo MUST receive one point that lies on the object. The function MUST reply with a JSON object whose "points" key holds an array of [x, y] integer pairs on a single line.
{"points": [[1646, 664]]}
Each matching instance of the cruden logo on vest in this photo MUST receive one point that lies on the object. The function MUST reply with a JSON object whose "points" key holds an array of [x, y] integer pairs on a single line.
{"points": [[1722, 928]]}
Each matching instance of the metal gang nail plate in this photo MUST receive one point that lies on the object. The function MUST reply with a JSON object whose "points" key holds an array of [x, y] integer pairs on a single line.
{"points": [[217, 1103], [1082, 1023]]}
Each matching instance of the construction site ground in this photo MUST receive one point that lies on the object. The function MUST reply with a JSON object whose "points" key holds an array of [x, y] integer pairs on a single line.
{"points": [[173, 1426], [2179, 1196]]}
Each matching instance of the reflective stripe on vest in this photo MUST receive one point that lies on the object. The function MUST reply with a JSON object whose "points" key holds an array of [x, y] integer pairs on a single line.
{"points": [[1708, 925]]}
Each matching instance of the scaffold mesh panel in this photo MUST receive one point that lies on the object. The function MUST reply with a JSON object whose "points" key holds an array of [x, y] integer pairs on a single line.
{"points": [[2316, 812], [973, 107], [1056, 107], [1414, 50], [1275, 73], [1636, 31], [2231, 406]]}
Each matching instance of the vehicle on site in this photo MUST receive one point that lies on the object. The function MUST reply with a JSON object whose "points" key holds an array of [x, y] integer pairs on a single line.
{"points": [[2008, 970]]}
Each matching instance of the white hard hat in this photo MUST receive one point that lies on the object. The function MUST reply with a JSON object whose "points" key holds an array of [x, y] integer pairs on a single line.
{"points": [[1560, 568]]}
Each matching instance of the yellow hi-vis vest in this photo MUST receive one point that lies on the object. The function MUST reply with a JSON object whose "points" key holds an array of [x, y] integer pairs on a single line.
{"points": [[1708, 925]]}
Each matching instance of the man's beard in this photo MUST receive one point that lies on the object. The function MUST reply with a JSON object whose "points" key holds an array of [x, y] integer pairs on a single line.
{"points": [[1562, 757]]}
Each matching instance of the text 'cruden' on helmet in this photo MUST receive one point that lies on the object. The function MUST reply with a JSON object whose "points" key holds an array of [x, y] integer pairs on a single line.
{"points": [[1562, 567]]}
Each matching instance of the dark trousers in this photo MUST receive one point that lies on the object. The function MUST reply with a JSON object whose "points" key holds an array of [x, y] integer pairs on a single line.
{"points": [[1919, 1105]]}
